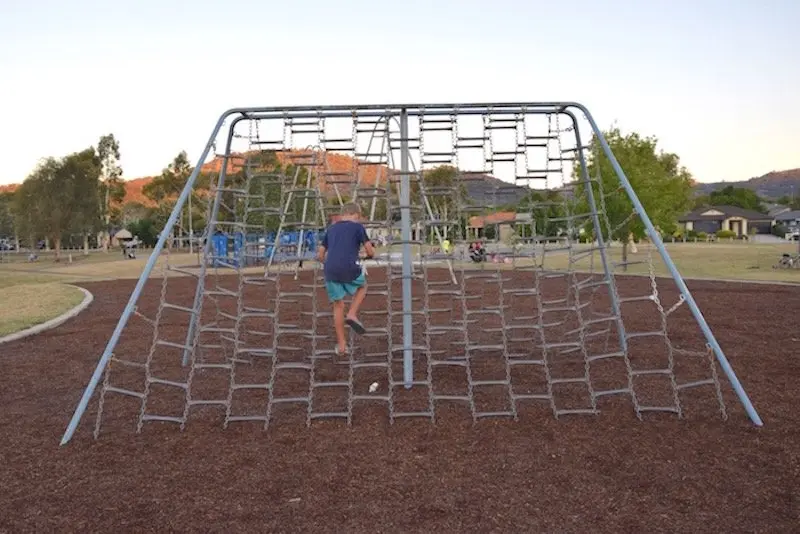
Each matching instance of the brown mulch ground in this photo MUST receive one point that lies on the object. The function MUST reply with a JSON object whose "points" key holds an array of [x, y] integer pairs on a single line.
{"points": [[609, 473]]}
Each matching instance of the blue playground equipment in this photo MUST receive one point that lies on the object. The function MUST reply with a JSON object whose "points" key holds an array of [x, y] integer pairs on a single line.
{"points": [[237, 249]]}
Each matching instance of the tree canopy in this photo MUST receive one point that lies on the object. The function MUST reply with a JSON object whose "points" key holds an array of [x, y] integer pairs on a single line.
{"points": [[112, 188], [171, 181], [792, 202], [60, 196], [442, 192], [7, 228], [732, 196], [75, 194], [662, 185]]}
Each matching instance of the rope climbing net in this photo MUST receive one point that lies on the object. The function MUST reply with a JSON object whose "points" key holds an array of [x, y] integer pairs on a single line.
{"points": [[496, 287]]}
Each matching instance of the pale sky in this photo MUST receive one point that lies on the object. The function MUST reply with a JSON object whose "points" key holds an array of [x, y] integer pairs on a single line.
{"points": [[715, 80]]}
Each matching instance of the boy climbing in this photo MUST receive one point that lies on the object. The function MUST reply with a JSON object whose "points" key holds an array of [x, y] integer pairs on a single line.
{"points": [[344, 275]]}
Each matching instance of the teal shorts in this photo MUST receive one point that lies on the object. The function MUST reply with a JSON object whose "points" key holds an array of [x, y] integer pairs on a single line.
{"points": [[338, 290]]}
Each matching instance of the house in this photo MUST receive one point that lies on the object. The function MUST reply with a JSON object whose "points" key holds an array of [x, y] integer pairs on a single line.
{"points": [[506, 222], [773, 210], [385, 231], [789, 220], [712, 219]]}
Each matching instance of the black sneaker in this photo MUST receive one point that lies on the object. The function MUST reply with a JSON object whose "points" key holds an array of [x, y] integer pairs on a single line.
{"points": [[357, 327]]}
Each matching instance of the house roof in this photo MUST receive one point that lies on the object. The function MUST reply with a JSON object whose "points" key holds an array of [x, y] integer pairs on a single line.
{"points": [[724, 212], [479, 221], [788, 216], [773, 210]]}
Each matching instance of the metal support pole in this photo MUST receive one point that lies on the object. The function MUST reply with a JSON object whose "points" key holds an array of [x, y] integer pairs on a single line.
{"points": [[432, 217], [191, 231], [211, 226], [656, 239], [384, 142], [302, 234], [137, 291], [405, 228], [598, 229], [282, 221]]}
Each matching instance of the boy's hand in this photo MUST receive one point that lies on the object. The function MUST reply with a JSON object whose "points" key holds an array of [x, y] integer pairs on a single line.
{"points": [[369, 250]]}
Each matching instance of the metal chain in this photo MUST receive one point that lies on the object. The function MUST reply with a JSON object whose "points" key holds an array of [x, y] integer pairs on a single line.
{"points": [[241, 266], [677, 305], [281, 185], [101, 400], [667, 342], [154, 344], [715, 377], [576, 290]]}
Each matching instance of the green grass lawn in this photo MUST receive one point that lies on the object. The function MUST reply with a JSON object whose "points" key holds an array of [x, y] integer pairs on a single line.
{"points": [[32, 293], [737, 261], [29, 304], [97, 266]]}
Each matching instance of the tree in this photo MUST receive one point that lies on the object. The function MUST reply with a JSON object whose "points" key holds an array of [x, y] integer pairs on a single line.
{"points": [[7, 228], [171, 181], [662, 185], [546, 209], [112, 188], [732, 196], [83, 170], [59, 196], [262, 193], [134, 211], [31, 204], [24, 207], [166, 187], [792, 202], [442, 194], [145, 230]]}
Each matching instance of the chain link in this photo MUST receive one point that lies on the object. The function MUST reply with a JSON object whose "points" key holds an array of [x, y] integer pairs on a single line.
{"points": [[664, 333], [154, 344], [712, 360]]}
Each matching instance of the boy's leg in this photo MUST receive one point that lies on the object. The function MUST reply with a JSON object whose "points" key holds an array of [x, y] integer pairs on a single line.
{"points": [[336, 293], [338, 324], [357, 288], [355, 305]]}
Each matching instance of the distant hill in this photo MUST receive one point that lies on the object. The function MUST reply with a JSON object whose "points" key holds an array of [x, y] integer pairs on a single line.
{"points": [[329, 170], [133, 191], [482, 188], [770, 186]]}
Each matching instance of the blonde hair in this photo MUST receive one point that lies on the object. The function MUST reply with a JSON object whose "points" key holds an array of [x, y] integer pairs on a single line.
{"points": [[351, 208]]}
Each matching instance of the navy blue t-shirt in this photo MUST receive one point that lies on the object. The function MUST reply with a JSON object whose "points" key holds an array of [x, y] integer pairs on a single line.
{"points": [[342, 242]]}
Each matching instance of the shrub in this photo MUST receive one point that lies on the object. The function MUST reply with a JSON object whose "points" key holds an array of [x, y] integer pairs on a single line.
{"points": [[701, 235], [723, 234], [779, 230], [145, 230]]}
